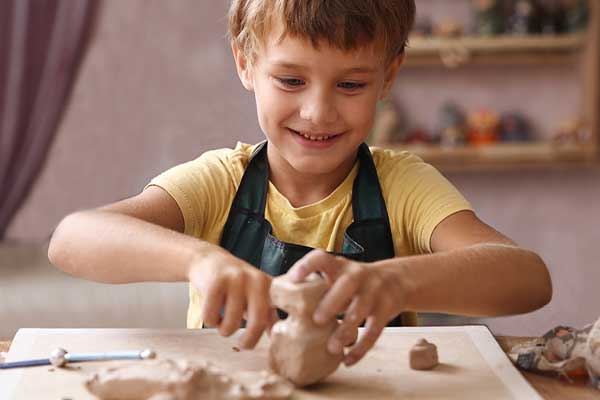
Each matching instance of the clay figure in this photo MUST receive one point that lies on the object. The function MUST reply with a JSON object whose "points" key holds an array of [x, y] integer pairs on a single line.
{"points": [[184, 380], [298, 348], [423, 355]]}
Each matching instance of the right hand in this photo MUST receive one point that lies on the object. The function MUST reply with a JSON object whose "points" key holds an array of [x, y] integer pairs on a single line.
{"points": [[239, 289]]}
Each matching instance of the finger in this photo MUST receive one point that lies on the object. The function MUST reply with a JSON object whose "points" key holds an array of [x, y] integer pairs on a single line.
{"points": [[273, 319], [347, 331], [373, 329], [235, 304], [316, 260], [213, 303], [337, 299], [258, 315]]}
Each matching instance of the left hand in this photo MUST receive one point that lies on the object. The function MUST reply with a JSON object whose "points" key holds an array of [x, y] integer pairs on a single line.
{"points": [[361, 291]]}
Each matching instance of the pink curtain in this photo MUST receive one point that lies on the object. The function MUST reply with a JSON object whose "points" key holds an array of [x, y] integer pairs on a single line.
{"points": [[41, 45]]}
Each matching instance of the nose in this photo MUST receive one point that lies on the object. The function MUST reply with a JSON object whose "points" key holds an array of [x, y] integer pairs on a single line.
{"points": [[319, 108]]}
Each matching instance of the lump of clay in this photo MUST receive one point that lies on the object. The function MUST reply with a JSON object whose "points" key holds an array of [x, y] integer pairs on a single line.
{"points": [[298, 348], [183, 380], [423, 355]]}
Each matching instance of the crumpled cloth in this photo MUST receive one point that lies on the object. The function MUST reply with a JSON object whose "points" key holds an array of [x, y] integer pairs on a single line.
{"points": [[567, 351]]}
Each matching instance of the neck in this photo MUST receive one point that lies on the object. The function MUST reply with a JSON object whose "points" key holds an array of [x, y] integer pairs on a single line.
{"points": [[300, 188]]}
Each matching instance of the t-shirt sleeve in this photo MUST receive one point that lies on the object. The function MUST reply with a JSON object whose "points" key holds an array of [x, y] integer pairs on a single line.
{"points": [[203, 189], [418, 198]]}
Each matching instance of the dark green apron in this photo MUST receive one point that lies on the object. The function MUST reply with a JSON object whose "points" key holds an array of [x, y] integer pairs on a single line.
{"points": [[248, 235]]}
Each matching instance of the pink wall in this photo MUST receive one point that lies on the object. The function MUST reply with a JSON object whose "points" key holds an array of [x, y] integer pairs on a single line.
{"points": [[159, 87]]}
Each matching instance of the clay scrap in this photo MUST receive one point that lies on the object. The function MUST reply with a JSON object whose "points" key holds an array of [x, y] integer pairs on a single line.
{"points": [[184, 380], [298, 348], [423, 355]]}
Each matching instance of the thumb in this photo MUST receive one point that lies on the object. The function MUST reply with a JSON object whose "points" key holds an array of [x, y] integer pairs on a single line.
{"points": [[315, 261]]}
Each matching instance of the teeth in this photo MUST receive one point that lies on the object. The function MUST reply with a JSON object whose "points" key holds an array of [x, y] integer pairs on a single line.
{"points": [[314, 138]]}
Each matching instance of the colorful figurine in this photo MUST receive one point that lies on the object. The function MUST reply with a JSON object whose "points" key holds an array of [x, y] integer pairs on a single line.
{"points": [[514, 127], [453, 129], [576, 14], [483, 128], [489, 18], [524, 19], [448, 28], [572, 130], [387, 128]]}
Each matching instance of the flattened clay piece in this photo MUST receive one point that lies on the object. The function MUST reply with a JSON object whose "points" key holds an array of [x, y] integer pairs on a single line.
{"points": [[298, 348], [183, 380], [423, 355]]}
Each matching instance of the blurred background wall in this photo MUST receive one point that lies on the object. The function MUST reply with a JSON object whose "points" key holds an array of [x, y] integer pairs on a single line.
{"points": [[158, 87]]}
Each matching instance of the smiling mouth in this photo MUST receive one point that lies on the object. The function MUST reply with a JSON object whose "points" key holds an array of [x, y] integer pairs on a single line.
{"points": [[315, 138]]}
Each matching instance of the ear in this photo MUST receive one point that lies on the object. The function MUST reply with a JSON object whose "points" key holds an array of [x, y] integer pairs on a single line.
{"points": [[391, 73], [243, 67]]}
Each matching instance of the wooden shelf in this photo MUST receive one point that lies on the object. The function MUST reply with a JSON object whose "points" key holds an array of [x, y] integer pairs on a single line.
{"points": [[534, 49], [504, 155]]}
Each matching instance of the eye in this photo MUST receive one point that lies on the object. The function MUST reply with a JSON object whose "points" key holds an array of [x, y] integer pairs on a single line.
{"points": [[291, 82], [351, 85]]}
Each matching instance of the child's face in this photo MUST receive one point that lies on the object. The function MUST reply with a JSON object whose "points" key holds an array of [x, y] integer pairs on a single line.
{"points": [[316, 106]]}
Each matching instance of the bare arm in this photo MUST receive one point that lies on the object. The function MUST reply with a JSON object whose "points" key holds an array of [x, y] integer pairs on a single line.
{"points": [[140, 239], [474, 270], [137, 239]]}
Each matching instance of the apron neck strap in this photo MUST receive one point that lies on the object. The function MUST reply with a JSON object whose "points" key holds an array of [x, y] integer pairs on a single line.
{"points": [[252, 192], [367, 199]]}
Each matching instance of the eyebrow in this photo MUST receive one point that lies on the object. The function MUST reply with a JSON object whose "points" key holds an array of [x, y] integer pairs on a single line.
{"points": [[348, 70]]}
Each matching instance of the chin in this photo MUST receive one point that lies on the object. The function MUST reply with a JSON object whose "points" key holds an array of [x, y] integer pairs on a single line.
{"points": [[313, 167]]}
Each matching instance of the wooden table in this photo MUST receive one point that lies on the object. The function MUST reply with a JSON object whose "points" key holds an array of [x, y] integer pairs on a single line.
{"points": [[549, 388]]}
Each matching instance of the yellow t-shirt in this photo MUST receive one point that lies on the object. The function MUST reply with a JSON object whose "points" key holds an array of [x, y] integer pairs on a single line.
{"points": [[417, 198]]}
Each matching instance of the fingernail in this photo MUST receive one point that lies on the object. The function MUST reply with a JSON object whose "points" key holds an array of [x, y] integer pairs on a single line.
{"points": [[334, 346]]}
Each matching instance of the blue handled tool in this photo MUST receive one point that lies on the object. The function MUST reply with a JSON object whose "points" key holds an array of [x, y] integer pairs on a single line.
{"points": [[60, 357]]}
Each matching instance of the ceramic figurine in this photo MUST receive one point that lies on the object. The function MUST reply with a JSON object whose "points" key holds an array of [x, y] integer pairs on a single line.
{"points": [[576, 14], [571, 131], [514, 127], [448, 28], [489, 19], [387, 128], [525, 18], [483, 128], [452, 130]]}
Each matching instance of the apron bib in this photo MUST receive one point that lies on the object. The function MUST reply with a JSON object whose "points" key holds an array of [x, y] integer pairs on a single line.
{"points": [[248, 235]]}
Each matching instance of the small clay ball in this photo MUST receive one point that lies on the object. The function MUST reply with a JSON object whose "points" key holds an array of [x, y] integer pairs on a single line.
{"points": [[423, 355]]}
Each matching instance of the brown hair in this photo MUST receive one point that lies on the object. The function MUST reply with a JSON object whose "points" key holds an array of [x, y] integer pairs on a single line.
{"points": [[345, 24]]}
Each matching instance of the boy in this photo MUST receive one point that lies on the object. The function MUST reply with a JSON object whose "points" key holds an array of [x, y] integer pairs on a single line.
{"points": [[405, 239]]}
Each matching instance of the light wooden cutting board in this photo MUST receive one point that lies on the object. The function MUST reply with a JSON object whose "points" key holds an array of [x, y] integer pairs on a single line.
{"points": [[472, 364]]}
